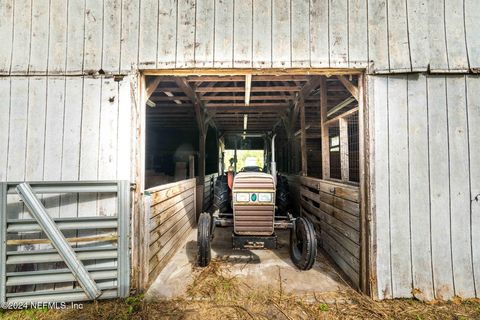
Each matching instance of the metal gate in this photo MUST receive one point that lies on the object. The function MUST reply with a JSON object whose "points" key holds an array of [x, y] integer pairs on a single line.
{"points": [[64, 241]]}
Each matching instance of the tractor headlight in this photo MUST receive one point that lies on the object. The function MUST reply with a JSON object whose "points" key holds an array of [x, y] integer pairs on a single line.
{"points": [[242, 197], [265, 197]]}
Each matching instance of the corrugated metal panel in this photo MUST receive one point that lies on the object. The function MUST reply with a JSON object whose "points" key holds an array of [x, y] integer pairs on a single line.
{"points": [[426, 159], [112, 36]]}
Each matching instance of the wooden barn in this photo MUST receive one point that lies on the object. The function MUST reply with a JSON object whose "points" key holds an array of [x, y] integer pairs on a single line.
{"points": [[119, 115]]}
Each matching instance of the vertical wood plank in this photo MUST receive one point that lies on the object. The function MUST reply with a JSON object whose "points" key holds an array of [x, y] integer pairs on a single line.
{"points": [[75, 37], [459, 187], [473, 109], [418, 34], [472, 25], [439, 188], [281, 34], [379, 96], [129, 39], [300, 34], [168, 39], [399, 50], [71, 142], [344, 162], [419, 187], [58, 37], [4, 125], [111, 36], [124, 154], [242, 46], [53, 147], [90, 142], [6, 16], [399, 190], [338, 33], [319, 34], [185, 43], [149, 15], [357, 33], [36, 129], [262, 33], [455, 36], [107, 158], [17, 143], [436, 36], [204, 33], [92, 59], [18, 129], [21, 37], [39, 38], [378, 35], [223, 53]]}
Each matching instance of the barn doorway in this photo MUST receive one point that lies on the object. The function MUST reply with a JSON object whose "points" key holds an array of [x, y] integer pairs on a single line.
{"points": [[194, 122]]}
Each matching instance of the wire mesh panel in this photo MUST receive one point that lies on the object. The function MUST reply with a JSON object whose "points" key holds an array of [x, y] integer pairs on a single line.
{"points": [[353, 148], [334, 145], [33, 270]]}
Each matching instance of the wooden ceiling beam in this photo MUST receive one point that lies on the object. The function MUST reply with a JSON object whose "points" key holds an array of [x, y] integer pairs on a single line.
{"points": [[252, 98], [253, 104], [197, 103], [254, 89], [349, 86]]}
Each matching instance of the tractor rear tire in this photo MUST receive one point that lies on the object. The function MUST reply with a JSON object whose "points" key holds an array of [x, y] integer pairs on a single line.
{"points": [[282, 195], [221, 198], [204, 253], [303, 244]]}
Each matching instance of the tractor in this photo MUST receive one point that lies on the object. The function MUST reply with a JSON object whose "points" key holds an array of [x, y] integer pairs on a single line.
{"points": [[255, 202]]}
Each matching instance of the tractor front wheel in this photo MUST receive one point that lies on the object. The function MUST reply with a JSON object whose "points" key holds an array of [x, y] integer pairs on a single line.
{"points": [[204, 239], [303, 244]]}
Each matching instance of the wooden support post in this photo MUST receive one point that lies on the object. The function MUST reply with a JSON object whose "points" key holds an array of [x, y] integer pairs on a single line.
{"points": [[191, 166], [303, 137], [152, 87], [344, 161], [248, 88], [201, 158], [367, 265], [324, 129]]}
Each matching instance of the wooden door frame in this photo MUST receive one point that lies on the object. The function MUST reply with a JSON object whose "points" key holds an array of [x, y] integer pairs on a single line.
{"points": [[367, 248]]}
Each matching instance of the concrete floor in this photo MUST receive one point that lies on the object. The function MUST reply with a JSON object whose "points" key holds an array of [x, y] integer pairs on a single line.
{"points": [[257, 268]]}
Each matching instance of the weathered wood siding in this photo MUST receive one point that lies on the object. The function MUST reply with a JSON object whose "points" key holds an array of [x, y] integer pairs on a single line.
{"points": [[65, 128], [113, 36], [334, 209], [170, 217], [426, 182]]}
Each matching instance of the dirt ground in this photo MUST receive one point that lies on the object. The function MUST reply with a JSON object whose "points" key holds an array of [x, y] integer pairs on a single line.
{"points": [[254, 268], [217, 294]]}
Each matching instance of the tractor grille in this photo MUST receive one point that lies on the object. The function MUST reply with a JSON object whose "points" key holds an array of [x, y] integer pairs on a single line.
{"points": [[253, 217]]}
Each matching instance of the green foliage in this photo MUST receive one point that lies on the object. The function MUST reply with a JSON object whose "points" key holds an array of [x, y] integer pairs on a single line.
{"points": [[242, 155], [323, 307], [134, 303]]}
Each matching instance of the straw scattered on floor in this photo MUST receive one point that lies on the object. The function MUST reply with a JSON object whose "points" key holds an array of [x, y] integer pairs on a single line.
{"points": [[216, 294]]}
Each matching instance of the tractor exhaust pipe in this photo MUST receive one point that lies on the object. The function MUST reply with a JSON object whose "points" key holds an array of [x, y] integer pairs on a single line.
{"points": [[273, 164]]}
